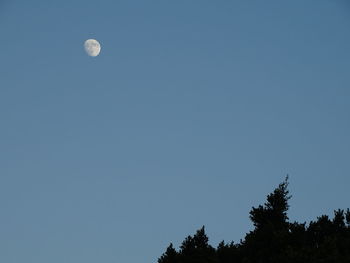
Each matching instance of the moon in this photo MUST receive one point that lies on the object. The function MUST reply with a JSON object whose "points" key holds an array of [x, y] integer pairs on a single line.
{"points": [[92, 47]]}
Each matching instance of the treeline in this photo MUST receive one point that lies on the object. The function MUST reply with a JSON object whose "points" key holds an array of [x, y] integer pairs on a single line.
{"points": [[274, 239]]}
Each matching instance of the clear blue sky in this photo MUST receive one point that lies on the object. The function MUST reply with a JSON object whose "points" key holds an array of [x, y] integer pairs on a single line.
{"points": [[192, 113]]}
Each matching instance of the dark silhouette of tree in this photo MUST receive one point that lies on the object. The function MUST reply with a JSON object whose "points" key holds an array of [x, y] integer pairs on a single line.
{"points": [[274, 212], [273, 239], [170, 255], [196, 249], [269, 238], [227, 253]]}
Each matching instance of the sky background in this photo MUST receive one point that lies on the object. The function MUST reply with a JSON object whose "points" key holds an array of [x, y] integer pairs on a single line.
{"points": [[192, 113]]}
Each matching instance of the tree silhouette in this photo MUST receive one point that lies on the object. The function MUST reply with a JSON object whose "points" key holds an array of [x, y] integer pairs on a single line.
{"points": [[274, 212], [170, 255], [196, 249], [273, 239]]}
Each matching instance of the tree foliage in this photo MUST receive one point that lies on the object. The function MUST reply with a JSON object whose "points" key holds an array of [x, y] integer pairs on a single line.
{"points": [[274, 239]]}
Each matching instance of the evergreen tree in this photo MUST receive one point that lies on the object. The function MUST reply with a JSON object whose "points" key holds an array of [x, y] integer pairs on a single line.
{"points": [[274, 212], [170, 255], [274, 239]]}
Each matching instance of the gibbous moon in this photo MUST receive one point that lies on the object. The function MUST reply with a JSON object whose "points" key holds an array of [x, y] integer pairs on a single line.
{"points": [[92, 47]]}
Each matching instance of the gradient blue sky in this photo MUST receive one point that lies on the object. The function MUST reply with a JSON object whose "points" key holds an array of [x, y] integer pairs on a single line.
{"points": [[192, 113]]}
